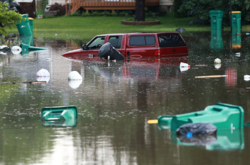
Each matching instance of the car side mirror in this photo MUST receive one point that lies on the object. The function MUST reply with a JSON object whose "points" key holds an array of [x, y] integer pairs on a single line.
{"points": [[85, 47]]}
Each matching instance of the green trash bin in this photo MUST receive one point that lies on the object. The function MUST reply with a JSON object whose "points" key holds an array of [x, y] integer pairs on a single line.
{"points": [[24, 25], [62, 116], [223, 116], [31, 24], [216, 19], [216, 40], [236, 19]]}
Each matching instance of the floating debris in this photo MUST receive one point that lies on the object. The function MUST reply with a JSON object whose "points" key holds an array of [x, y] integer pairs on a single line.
{"points": [[211, 76], [246, 77], [31, 82], [181, 30]]}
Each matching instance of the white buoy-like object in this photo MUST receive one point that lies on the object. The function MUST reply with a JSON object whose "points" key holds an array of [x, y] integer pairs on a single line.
{"points": [[43, 73], [74, 75], [237, 54], [184, 66], [217, 61], [75, 83], [246, 77], [16, 49]]}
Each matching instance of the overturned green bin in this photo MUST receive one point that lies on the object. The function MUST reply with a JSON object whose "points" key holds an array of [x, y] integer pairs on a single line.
{"points": [[223, 116], [61, 116], [24, 27]]}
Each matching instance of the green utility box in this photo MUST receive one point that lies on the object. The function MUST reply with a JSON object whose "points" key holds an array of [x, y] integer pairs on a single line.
{"points": [[59, 116], [236, 19], [23, 26], [216, 19], [216, 40], [223, 116]]}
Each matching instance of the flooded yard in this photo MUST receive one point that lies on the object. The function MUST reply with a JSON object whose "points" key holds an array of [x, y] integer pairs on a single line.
{"points": [[116, 99]]}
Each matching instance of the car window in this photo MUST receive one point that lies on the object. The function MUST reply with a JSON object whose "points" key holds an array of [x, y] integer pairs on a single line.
{"points": [[146, 40], [97, 43], [171, 40], [115, 41]]}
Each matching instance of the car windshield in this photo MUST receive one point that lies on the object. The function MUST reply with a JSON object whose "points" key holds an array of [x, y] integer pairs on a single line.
{"points": [[97, 43]]}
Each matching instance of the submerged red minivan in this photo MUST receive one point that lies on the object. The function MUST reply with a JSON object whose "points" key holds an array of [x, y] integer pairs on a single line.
{"points": [[134, 45]]}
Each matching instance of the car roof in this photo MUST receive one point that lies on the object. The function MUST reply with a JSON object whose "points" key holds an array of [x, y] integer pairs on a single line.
{"points": [[138, 33]]}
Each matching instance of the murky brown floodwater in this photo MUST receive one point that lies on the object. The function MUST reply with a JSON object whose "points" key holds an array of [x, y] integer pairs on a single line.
{"points": [[114, 102]]}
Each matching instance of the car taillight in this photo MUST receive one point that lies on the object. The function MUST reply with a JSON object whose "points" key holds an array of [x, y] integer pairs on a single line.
{"points": [[158, 52]]}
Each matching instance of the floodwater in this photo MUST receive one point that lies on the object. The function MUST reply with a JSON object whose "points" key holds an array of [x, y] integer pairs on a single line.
{"points": [[114, 102]]}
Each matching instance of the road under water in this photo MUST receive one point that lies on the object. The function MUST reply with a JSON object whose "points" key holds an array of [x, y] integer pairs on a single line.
{"points": [[115, 100]]}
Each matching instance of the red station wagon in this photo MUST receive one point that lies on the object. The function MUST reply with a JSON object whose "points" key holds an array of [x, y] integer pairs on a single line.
{"points": [[134, 45]]}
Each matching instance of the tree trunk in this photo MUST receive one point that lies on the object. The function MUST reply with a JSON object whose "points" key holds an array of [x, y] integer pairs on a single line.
{"points": [[139, 10]]}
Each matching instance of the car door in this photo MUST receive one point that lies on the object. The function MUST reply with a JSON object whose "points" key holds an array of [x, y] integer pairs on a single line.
{"points": [[117, 41], [141, 45], [172, 44]]}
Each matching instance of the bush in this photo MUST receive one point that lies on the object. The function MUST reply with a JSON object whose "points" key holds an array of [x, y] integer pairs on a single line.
{"points": [[59, 8]]}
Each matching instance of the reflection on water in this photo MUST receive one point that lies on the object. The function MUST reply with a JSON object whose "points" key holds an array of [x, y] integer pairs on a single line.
{"points": [[114, 102]]}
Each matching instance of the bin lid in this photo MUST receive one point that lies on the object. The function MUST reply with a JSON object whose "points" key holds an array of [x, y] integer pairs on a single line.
{"points": [[235, 12], [215, 12]]}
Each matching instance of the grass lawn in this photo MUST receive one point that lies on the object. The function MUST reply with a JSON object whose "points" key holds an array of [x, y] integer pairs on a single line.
{"points": [[87, 27]]}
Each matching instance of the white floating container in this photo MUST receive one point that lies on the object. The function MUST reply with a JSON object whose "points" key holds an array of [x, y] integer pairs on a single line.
{"points": [[184, 65], [246, 77], [74, 75], [16, 49], [43, 73]]}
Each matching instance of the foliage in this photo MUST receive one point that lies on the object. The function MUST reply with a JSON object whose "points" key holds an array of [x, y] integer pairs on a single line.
{"points": [[7, 17], [177, 4], [200, 9], [61, 9]]}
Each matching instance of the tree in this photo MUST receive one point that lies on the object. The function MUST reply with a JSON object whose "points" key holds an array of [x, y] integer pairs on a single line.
{"points": [[139, 10], [199, 9], [7, 17]]}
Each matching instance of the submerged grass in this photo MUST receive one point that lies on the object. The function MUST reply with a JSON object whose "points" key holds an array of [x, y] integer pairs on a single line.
{"points": [[87, 27]]}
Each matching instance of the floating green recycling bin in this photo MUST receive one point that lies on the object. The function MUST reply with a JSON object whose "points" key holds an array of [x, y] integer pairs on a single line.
{"points": [[23, 26], [223, 116], [236, 19], [26, 49], [216, 40], [63, 116], [216, 19]]}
